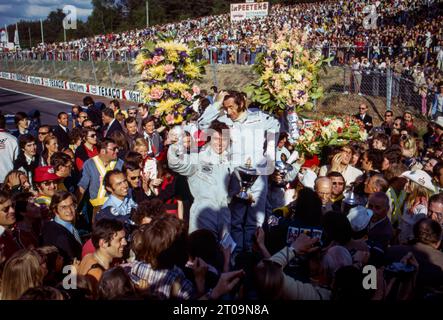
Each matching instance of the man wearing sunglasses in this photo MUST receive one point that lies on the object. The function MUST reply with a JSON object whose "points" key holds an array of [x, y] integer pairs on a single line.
{"points": [[94, 171], [364, 116], [389, 122], [338, 188], [46, 182], [43, 132]]}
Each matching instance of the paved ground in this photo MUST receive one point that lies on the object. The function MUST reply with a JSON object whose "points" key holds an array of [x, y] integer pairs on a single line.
{"points": [[16, 96]]}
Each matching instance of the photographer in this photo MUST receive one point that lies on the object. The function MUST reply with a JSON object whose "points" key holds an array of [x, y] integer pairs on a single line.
{"points": [[427, 238]]}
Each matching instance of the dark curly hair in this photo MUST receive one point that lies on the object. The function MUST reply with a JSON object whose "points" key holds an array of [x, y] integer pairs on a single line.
{"points": [[148, 209]]}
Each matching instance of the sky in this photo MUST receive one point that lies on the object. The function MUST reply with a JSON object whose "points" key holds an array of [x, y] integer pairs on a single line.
{"points": [[12, 11]]}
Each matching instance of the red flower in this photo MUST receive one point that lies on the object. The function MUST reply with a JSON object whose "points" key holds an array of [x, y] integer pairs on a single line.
{"points": [[339, 130]]}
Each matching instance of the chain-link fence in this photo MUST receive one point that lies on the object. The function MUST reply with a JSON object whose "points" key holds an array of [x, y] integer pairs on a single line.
{"points": [[407, 92], [387, 87]]}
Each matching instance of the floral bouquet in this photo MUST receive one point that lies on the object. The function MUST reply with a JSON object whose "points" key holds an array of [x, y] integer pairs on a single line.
{"points": [[288, 74], [168, 70], [330, 132]]}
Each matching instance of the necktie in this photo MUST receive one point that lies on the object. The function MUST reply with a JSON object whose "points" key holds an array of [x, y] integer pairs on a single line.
{"points": [[76, 235]]}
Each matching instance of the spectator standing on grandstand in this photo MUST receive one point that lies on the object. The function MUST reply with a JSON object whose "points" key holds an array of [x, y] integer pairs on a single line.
{"points": [[437, 104]]}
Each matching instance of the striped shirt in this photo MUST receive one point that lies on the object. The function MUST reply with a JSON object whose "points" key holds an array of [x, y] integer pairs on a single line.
{"points": [[160, 282]]}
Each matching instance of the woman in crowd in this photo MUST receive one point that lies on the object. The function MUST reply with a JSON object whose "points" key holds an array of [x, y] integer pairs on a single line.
{"points": [[50, 144]]}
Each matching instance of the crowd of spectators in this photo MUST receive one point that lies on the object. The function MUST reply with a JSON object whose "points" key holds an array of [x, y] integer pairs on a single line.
{"points": [[118, 197]]}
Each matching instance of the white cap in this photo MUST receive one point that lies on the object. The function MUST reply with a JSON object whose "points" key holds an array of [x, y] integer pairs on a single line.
{"points": [[420, 177], [359, 217]]}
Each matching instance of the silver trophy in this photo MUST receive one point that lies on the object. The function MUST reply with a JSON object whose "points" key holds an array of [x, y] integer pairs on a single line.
{"points": [[350, 201], [247, 176], [283, 169], [179, 134]]}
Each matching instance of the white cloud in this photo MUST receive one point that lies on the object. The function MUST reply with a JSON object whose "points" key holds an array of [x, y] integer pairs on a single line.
{"points": [[18, 10], [5, 7]]}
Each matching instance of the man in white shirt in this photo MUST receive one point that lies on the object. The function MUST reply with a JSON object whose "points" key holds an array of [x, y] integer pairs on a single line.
{"points": [[8, 149], [340, 163]]}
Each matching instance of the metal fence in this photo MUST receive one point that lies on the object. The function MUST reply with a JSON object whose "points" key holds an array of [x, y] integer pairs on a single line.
{"points": [[397, 90], [391, 88], [243, 55]]}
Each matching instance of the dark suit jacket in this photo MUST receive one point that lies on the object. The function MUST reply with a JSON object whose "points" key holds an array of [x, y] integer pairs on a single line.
{"points": [[21, 162], [62, 137], [115, 126], [56, 235], [381, 233], [367, 120], [95, 114]]}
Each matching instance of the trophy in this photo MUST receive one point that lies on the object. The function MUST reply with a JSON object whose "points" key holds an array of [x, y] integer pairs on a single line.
{"points": [[350, 201], [283, 169], [179, 133], [247, 176]]}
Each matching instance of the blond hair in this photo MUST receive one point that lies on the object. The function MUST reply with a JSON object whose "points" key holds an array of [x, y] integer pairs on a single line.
{"points": [[140, 142], [21, 272], [417, 191], [409, 147]]}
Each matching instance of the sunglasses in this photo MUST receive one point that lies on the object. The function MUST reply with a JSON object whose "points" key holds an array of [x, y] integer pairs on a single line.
{"points": [[43, 133], [92, 136], [134, 178], [113, 149]]}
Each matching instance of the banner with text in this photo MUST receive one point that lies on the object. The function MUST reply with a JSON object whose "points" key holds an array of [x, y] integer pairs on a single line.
{"points": [[113, 93], [243, 11]]}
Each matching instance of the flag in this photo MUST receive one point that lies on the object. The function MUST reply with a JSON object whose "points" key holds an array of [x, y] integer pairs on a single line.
{"points": [[3, 36], [6, 38], [16, 39]]}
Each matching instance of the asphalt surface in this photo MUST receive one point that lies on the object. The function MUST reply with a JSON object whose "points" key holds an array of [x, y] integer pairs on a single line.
{"points": [[17, 96], [11, 102]]}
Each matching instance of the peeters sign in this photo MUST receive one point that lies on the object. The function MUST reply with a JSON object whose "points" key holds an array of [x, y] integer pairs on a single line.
{"points": [[243, 11]]}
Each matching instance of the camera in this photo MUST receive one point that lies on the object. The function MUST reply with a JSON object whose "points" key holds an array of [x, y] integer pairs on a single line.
{"points": [[399, 270]]}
